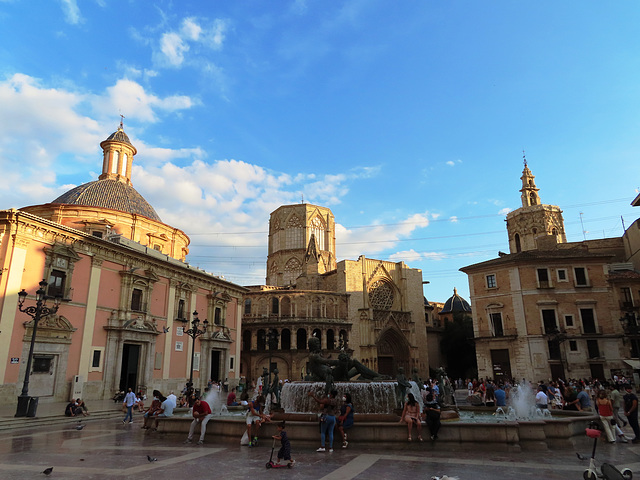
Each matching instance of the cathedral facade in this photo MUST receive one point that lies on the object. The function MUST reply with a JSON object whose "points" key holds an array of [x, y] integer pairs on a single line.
{"points": [[371, 308]]}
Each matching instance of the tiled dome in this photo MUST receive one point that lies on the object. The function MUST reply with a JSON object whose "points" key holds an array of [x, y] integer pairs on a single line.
{"points": [[456, 304], [119, 136], [110, 194]]}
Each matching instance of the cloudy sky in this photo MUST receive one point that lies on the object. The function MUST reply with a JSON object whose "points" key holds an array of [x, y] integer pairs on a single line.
{"points": [[407, 118]]}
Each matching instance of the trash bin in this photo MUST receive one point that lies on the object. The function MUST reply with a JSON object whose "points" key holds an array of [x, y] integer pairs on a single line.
{"points": [[33, 407]]}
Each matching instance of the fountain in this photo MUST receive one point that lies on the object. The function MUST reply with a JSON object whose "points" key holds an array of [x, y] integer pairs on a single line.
{"points": [[376, 403]]}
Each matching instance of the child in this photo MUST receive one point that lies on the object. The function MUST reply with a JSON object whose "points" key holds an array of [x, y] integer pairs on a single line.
{"points": [[285, 449]]}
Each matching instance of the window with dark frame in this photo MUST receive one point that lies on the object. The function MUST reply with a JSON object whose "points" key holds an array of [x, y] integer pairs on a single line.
{"points": [[588, 320], [568, 320], [543, 278], [562, 275], [573, 345], [217, 316], [496, 324], [136, 300], [549, 321], [581, 276], [592, 349], [56, 283], [95, 361], [491, 281]]}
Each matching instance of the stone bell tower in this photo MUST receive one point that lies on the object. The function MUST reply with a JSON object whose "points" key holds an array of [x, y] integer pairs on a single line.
{"points": [[533, 221], [301, 237]]}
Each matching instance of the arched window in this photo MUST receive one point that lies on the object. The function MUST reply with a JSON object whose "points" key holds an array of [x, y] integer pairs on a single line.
{"points": [[318, 334], [285, 339], [317, 230], [532, 196], [294, 233], [123, 167], [518, 246], [301, 339], [285, 306], [247, 306], [275, 306], [292, 270], [331, 340], [114, 162], [262, 340], [246, 341]]}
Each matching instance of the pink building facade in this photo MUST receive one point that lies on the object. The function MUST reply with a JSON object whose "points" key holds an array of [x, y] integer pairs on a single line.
{"points": [[127, 295]]}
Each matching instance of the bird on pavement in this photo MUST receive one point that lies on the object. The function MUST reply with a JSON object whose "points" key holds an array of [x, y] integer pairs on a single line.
{"points": [[47, 471], [80, 427], [152, 459]]}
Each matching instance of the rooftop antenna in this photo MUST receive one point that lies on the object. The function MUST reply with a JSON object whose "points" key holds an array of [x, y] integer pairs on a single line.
{"points": [[302, 198], [584, 236]]}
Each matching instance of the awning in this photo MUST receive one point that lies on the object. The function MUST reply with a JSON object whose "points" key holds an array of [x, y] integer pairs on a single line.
{"points": [[635, 364]]}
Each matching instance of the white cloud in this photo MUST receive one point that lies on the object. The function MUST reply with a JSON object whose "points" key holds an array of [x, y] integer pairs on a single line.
{"points": [[50, 131], [71, 11], [135, 102], [189, 43], [451, 163], [453, 219], [173, 48], [504, 211]]}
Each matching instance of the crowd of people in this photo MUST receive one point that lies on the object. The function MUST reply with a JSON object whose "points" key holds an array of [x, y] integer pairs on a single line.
{"points": [[614, 401]]}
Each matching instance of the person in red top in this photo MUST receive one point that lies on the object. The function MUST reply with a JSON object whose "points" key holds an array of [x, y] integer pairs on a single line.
{"points": [[201, 415], [231, 398]]}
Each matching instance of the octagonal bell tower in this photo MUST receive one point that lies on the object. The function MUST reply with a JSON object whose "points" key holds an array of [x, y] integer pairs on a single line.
{"points": [[301, 238], [533, 221]]}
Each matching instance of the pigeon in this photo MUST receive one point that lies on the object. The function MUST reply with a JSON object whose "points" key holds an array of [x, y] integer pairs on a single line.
{"points": [[581, 457], [152, 459], [47, 471], [444, 477], [165, 329], [80, 427]]}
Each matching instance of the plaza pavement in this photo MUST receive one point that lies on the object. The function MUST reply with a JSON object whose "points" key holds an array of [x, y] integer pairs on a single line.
{"points": [[107, 449]]}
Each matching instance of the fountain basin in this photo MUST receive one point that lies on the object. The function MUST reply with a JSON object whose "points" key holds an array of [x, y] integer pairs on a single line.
{"points": [[504, 436]]}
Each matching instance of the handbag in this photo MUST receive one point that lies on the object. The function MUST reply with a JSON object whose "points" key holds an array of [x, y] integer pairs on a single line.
{"points": [[323, 417]]}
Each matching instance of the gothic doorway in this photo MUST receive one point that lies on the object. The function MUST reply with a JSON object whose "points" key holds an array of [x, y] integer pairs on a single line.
{"points": [[393, 352], [129, 371]]}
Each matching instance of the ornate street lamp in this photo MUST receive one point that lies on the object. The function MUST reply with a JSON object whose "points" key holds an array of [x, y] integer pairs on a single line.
{"points": [[37, 312], [194, 332]]}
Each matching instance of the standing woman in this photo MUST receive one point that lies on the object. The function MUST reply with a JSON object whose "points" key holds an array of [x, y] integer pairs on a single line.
{"points": [[411, 415], [605, 410], [328, 419], [345, 420]]}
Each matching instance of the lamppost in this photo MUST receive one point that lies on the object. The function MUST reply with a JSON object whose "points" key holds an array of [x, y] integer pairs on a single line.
{"points": [[37, 312], [272, 340], [194, 332]]}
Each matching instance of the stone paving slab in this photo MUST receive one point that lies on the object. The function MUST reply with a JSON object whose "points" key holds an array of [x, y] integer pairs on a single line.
{"points": [[107, 449]]}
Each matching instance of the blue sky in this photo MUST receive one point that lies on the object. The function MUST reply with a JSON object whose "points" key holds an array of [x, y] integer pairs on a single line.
{"points": [[407, 118]]}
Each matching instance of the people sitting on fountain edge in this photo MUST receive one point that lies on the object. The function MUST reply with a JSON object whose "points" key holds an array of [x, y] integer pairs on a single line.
{"points": [[256, 417], [231, 398], [411, 415], [432, 415]]}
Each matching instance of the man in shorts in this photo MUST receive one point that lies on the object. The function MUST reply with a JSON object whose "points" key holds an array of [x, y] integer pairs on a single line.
{"points": [[255, 416]]}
